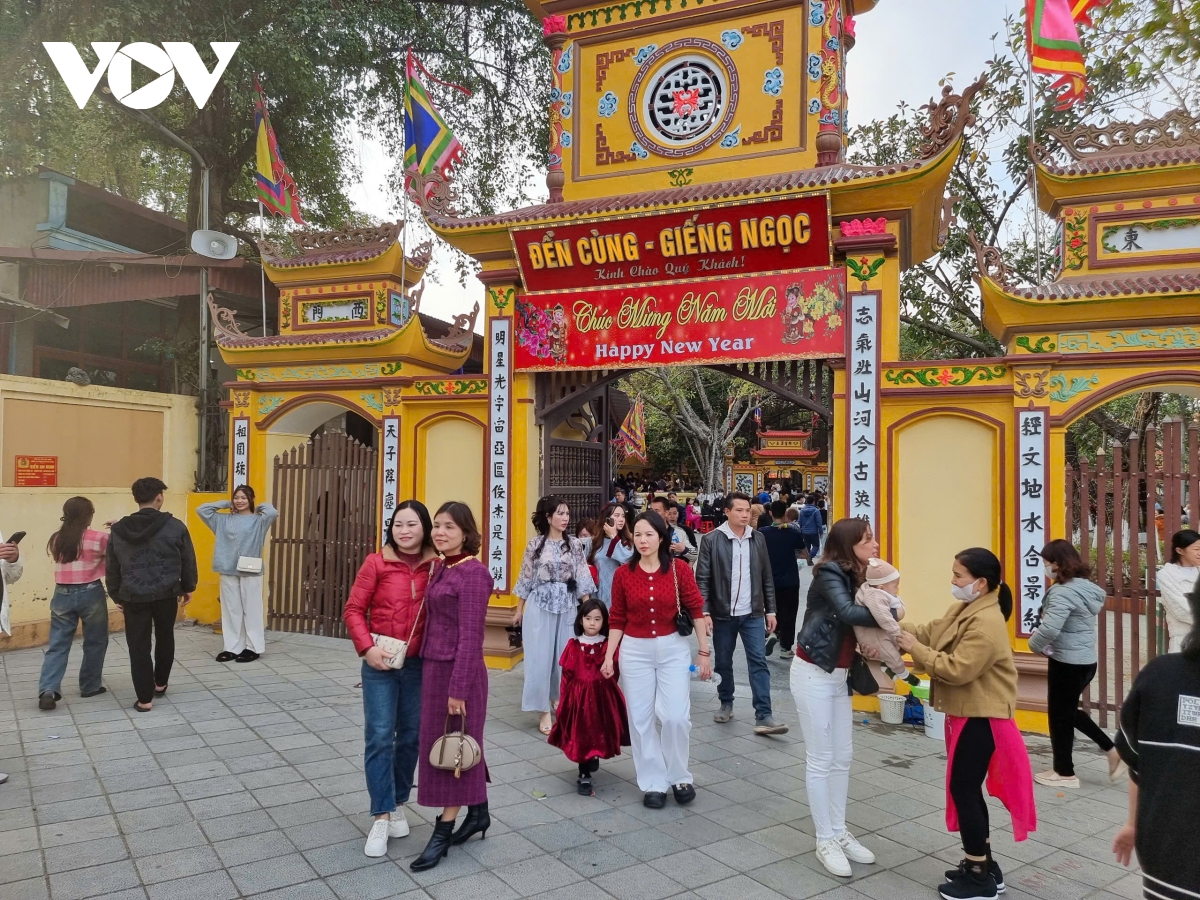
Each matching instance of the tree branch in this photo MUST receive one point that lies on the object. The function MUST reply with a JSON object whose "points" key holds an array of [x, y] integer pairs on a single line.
{"points": [[953, 335]]}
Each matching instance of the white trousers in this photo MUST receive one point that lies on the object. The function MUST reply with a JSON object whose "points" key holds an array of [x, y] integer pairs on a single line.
{"points": [[657, 685], [827, 722], [242, 624], [544, 636]]}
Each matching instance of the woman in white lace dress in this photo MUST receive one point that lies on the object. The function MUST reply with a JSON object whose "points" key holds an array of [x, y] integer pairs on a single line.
{"points": [[554, 578]]}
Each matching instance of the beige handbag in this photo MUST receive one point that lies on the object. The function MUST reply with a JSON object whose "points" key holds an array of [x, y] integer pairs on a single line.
{"points": [[455, 750]]}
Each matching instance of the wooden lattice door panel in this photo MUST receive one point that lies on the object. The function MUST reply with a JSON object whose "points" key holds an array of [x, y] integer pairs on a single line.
{"points": [[326, 492], [576, 472], [1121, 513]]}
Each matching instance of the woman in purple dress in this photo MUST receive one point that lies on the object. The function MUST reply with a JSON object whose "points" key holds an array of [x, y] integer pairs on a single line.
{"points": [[454, 681]]}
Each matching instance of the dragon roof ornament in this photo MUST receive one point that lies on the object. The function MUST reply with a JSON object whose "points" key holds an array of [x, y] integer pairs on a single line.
{"points": [[990, 261], [948, 118]]}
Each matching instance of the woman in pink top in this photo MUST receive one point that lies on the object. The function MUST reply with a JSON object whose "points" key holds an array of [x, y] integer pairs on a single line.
{"points": [[78, 554]]}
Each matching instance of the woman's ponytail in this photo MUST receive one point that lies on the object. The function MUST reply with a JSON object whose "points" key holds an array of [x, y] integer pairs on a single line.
{"points": [[1006, 601]]}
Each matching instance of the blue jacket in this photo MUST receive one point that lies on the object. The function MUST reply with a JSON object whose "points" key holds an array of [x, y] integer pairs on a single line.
{"points": [[1069, 622]]}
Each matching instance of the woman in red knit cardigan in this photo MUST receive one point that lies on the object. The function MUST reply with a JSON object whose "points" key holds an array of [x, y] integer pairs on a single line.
{"points": [[646, 595]]}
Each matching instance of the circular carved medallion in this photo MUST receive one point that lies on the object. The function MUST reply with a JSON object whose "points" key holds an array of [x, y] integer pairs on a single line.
{"points": [[683, 97]]}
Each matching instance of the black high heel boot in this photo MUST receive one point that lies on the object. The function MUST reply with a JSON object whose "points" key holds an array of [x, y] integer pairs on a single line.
{"points": [[476, 819], [438, 846]]}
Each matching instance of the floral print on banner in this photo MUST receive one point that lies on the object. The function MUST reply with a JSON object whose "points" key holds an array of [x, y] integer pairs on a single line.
{"points": [[639, 151], [542, 332], [608, 104], [801, 315], [732, 39], [773, 82], [732, 139], [643, 54]]}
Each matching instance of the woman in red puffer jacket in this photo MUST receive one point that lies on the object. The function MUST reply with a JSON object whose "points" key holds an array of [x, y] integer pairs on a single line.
{"points": [[388, 598]]}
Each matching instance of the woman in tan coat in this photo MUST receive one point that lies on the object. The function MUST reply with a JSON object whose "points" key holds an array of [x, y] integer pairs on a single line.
{"points": [[969, 660]]}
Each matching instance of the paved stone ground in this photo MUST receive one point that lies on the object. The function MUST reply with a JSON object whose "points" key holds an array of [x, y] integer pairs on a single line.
{"points": [[246, 780]]}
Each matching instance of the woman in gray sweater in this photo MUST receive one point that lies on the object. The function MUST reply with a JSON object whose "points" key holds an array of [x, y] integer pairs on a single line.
{"points": [[237, 559], [1067, 635]]}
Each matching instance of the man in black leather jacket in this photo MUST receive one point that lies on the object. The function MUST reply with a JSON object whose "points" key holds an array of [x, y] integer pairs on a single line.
{"points": [[734, 576]]}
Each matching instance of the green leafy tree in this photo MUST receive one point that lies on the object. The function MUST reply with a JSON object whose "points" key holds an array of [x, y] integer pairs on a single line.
{"points": [[325, 65]]}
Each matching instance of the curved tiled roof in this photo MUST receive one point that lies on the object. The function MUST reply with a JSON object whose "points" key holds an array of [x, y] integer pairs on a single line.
{"points": [[803, 179], [1127, 285], [303, 339], [1111, 163]]}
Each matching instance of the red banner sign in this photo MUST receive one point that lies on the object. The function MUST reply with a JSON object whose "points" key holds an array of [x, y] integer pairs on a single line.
{"points": [[36, 471], [701, 242], [785, 315]]}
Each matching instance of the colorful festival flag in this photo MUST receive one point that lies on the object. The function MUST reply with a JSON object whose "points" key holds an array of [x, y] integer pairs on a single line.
{"points": [[429, 144], [276, 190], [632, 436], [1052, 41]]}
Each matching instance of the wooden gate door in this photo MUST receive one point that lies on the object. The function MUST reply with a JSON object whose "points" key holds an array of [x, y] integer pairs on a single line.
{"points": [[1121, 514], [326, 493]]}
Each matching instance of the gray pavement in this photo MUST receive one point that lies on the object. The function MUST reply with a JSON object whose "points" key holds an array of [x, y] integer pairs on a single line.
{"points": [[246, 780]]}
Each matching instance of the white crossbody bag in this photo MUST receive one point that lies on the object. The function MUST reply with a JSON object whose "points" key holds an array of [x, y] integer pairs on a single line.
{"points": [[396, 649]]}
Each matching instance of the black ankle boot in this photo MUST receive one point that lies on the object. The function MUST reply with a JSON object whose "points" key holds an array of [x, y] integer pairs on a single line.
{"points": [[438, 846], [476, 819]]}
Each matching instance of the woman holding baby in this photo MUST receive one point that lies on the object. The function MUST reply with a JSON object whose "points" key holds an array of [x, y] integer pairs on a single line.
{"points": [[825, 649]]}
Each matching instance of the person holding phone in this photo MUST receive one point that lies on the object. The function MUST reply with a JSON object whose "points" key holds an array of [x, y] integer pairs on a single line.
{"points": [[12, 569]]}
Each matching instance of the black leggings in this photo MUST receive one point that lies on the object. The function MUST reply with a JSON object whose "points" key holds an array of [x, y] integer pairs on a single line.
{"points": [[972, 755], [1065, 684]]}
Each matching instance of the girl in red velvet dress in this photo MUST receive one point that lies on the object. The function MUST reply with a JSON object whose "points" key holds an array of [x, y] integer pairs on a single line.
{"points": [[591, 723]]}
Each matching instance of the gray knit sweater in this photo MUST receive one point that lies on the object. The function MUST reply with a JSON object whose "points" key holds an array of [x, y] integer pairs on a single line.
{"points": [[237, 535]]}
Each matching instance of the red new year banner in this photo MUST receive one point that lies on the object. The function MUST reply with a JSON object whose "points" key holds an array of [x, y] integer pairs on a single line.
{"points": [[784, 315], [699, 242]]}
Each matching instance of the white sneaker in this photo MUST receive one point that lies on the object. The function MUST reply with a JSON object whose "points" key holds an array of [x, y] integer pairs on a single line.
{"points": [[398, 825], [833, 858], [1051, 778], [854, 851], [377, 839]]}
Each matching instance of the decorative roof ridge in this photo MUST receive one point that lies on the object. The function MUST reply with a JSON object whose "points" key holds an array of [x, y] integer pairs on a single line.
{"points": [[1177, 128], [343, 245], [948, 118]]}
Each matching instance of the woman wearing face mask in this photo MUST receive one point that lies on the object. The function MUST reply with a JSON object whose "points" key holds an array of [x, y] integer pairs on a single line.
{"points": [[974, 682], [1175, 581], [388, 598], [1067, 635]]}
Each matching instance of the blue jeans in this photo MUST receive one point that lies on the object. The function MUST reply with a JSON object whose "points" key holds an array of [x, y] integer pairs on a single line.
{"points": [[753, 631], [391, 728], [810, 543], [70, 604]]}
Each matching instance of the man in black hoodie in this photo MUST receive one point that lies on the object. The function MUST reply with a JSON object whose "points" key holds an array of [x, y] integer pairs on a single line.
{"points": [[151, 569]]}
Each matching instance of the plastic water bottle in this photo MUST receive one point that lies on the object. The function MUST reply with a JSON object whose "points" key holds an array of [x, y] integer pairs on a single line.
{"points": [[694, 671]]}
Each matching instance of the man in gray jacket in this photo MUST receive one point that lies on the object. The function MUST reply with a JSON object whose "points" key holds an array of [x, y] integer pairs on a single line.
{"points": [[734, 575]]}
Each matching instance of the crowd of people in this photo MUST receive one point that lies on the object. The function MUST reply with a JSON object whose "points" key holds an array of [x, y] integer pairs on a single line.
{"points": [[621, 613]]}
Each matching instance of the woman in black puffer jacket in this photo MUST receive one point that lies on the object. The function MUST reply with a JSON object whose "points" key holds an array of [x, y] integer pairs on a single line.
{"points": [[824, 652]]}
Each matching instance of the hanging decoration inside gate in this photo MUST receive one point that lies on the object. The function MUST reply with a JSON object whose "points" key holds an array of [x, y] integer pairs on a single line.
{"points": [[498, 458], [1033, 435], [631, 440], [784, 315]]}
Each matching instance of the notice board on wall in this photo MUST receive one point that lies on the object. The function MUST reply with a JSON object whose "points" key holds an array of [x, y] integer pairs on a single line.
{"points": [[35, 471]]}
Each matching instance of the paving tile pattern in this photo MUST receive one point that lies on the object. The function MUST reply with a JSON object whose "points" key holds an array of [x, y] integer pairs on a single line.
{"points": [[246, 781]]}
